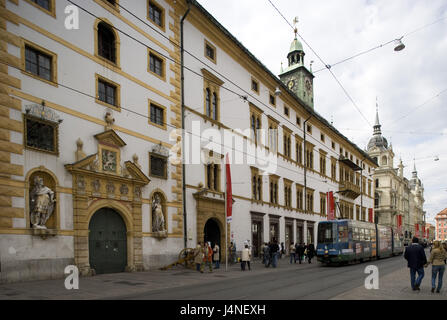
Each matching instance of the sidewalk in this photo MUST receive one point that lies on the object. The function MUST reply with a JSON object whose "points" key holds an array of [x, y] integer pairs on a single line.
{"points": [[108, 286], [396, 286]]}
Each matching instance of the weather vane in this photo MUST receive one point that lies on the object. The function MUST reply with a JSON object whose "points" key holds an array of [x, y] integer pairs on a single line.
{"points": [[295, 22]]}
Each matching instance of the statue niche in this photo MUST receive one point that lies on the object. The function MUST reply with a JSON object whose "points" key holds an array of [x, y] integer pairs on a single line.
{"points": [[42, 201], [158, 216]]}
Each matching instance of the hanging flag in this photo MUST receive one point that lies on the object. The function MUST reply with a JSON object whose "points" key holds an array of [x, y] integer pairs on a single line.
{"points": [[331, 205], [229, 198], [370, 215]]}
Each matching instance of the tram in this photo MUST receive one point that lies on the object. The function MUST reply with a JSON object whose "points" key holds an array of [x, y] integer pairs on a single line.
{"points": [[344, 241]]}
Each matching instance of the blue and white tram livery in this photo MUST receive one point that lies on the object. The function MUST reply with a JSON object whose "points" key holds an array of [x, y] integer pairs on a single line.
{"points": [[343, 241]]}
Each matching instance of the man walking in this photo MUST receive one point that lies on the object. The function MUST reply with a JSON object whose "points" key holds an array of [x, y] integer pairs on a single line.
{"points": [[274, 252], [292, 253], [415, 255]]}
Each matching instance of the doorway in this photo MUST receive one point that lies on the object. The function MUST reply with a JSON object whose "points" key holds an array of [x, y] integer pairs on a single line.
{"points": [[211, 233], [107, 242]]}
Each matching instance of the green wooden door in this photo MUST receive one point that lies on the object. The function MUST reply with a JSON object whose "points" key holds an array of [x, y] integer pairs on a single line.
{"points": [[107, 242]]}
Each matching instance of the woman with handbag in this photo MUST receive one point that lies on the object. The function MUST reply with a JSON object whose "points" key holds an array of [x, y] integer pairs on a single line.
{"points": [[437, 259]]}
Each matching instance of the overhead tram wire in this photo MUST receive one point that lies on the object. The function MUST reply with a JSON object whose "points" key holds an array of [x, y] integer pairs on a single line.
{"points": [[379, 46], [198, 74], [325, 64], [165, 123]]}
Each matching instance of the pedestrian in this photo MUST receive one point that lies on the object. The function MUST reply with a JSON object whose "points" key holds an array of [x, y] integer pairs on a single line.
{"points": [[274, 253], [246, 256], [216, 256], [292, 253], [233, 253], [283, 250], [415, 255], [198, 256], [300, 252], [437, 259], [444, 245], [266, 254], [310, 252], [207, 257]]}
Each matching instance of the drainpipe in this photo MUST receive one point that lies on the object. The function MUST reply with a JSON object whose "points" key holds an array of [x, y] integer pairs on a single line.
{"points": [[185, 233], [305, 166]]}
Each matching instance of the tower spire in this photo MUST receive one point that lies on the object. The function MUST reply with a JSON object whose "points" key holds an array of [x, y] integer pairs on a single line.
{"points": [[377, 125]]}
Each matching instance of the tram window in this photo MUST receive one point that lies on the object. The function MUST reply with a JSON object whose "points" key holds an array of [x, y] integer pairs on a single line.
{"points": [[325, 234], [362, 234], [343, 233], [367, 234], [355, 235]]}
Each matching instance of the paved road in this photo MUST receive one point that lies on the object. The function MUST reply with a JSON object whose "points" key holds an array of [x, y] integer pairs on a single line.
{"points": [[307, 281]]}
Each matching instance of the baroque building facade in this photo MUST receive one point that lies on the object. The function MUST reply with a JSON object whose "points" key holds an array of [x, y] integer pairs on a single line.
{"points": [[284, 197], [441, 225], [398, 201], [86, 120]]}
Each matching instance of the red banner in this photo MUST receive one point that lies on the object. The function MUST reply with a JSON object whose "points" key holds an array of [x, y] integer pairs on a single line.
{"points": [[331, 206], [229, 199], [370, 215]]}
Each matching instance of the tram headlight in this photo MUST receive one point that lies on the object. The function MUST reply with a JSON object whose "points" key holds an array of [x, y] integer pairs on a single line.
{"points": [[326, 252]]}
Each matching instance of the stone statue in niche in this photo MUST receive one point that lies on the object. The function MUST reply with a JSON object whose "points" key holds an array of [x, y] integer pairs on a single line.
{"points": [[158, 219], [42, 203]]}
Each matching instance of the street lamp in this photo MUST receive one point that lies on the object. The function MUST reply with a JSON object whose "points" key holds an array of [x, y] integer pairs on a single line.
{"points": [[399, 46]]}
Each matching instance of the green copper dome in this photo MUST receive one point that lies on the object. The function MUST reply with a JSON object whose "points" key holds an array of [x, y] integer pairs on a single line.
{"points": [[296, 46]]}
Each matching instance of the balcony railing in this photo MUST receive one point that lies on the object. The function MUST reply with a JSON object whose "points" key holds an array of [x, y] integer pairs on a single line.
{"points": [[349, 189]]}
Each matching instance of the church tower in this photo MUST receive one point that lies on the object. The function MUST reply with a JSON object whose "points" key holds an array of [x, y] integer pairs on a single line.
{"points": [[296, 76]]}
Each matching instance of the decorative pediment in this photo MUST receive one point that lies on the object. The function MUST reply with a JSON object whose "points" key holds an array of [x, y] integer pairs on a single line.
{"points": [[136, 172], [160, 150], [110, 137]]}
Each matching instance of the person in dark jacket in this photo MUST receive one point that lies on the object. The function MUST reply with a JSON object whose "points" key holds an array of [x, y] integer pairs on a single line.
{"points": [[415, 255], [310, 252], [300, 252], [274, 252]]}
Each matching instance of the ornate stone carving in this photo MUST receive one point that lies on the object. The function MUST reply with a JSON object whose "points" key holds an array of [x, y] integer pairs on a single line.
{"points": [[109, 121], [137, 192], [42, 203], [110, 187], [158, 218], [135, 160], [160, 150], [81, 184], [124, 189], [109, 160], [96, 185], [80, 154]]}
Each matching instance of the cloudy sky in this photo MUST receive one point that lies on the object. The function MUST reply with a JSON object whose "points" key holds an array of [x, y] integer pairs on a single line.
{"points": [[407, 84]]}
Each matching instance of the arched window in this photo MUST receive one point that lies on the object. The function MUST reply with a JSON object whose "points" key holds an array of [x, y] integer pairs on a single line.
{"points": [[208, 102], [106, 42], [384, 160]]}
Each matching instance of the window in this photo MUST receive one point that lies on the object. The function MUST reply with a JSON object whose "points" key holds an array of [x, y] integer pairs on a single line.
{"points": [[274, 189], [256, 184], [299, 197], [107, 92], [157, 115], [48, 6], [298, 121], [272, 100], [255, 85], [299, 150], [310, 201], [333, 145], [287, 193], [309, 156], [41, 135], [39, 63], [156, 14], [106, 42], [213, 176], [287, 142], [322, 137], [377, 183], [309, 128], [323, 204], [156, 65], [273, 135], [333, 168], [158, 166], [255, 122], [211, 94], [286, 111], [322, 162], [210, 51]]}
